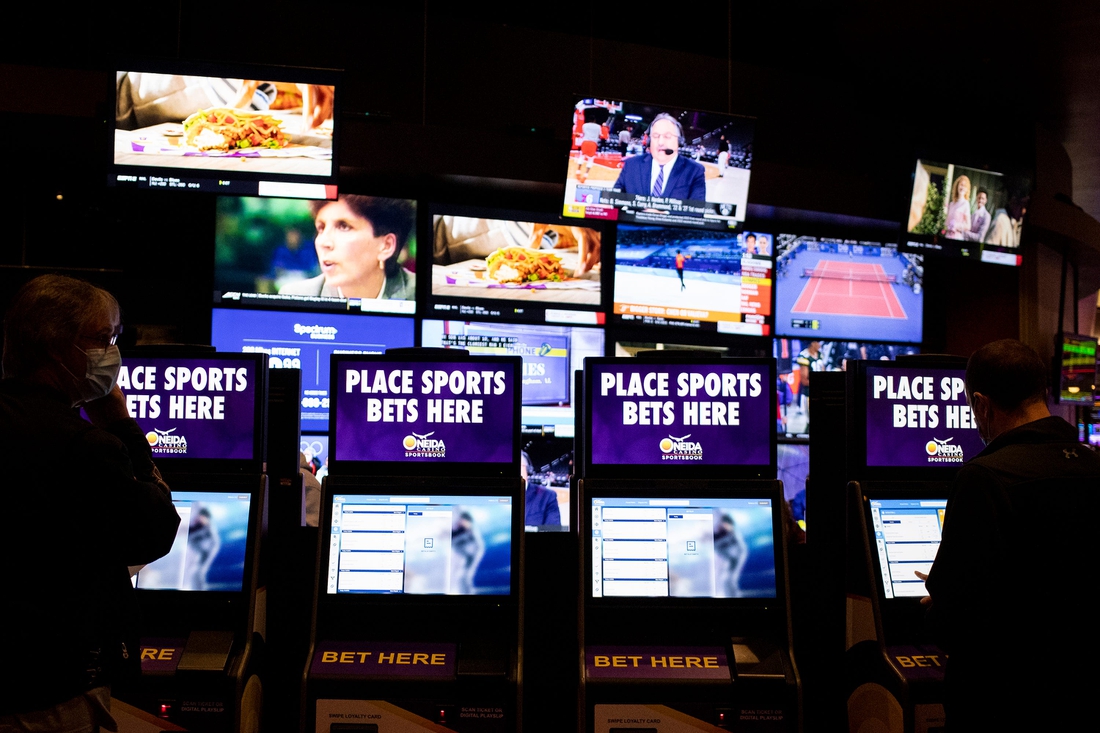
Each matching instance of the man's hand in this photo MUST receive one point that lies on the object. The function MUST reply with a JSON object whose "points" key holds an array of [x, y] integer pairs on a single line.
{"points": [[109, 409], [588, 249], [316, 104], [927, 600]]}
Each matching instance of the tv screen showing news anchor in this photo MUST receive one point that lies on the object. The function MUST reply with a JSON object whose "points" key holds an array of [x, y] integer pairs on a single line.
{"points": [[357, 253], [639, 162]]}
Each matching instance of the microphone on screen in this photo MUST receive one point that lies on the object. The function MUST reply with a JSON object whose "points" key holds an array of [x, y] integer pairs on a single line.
{"points": [[668, 151]]}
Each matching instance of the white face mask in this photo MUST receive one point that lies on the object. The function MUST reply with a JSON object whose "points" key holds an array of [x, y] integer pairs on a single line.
{"points": [[100, 374]]}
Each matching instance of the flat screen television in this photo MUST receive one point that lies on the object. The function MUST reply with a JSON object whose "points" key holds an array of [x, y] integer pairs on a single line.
{"points": [[847, 290], [547, 466], [551, 354], [302, 340], [210, 548], [653, 545], [909, 419], [963, 211], [414, 413], [679, 418], [1075, 359], [355, 254], [199, 412], [683, 278], [906, 538], [658, 165], [232, 129], [798, 359], [491, 264], [419, 544]]}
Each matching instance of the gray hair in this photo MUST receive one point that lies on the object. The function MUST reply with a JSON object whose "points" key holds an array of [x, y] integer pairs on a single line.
{"points": [[48, 313], [673, 120]]}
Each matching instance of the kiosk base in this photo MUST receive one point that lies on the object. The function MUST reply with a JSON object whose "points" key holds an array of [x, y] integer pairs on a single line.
{"points": [[196, 684], [414, 686], [680, 689]]}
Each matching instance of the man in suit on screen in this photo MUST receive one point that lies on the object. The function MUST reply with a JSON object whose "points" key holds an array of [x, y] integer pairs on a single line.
{"points": [[662, 171]]}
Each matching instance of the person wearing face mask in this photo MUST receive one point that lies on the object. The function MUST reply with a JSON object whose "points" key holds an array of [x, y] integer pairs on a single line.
{"points": [[68, 534], [1008, 600]]}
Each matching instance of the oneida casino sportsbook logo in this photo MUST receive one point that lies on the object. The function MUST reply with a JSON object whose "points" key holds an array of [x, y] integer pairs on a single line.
{"points": [[943, 451], [163, 442], [680, 449], [423, 446]]}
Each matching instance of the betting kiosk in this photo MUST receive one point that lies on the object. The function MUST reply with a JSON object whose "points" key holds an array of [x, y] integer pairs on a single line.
{"points": [[417, 612], [909, 431], [684, 612], [201, 626]]}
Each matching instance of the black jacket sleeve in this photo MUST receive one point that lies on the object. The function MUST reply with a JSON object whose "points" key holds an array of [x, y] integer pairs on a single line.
{"points": [[141, 520]]}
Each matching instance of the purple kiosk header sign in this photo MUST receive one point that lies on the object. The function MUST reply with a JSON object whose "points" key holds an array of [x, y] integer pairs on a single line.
{"points": [[918, 418], [425, 412], [661, 414], [201, 408]]}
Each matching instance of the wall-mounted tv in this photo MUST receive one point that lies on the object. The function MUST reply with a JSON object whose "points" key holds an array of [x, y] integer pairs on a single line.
{"points": [[1075, 361], [798, 359], [551, 354], [515, 266], [658, 165], [966, 212], [298, 340], [357, 253], [835, 288], [684, 278], [234, 129]]}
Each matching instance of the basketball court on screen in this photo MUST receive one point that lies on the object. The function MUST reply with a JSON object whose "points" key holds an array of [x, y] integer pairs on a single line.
{"points": [[849, 288]]}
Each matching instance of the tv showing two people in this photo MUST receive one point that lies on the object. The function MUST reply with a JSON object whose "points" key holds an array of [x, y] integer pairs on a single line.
{"points": [[213, 123], [843, 289], [355, 253], [522, 261], [681, 277], [638, 162], [977, 208]]}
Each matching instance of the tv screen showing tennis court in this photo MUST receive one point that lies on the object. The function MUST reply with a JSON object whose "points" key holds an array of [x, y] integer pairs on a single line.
{"points": [[844, 289]]}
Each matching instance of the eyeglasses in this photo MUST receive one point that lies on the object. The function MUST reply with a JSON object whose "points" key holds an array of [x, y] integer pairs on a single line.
{"points": [[665, 136], [102, 341]]}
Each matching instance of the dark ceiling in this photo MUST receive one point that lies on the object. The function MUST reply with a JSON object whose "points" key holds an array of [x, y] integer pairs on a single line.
{"points": [[835, 85]]}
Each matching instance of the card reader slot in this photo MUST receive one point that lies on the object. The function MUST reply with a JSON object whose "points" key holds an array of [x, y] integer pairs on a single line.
{"points": [[757, 659], [206, 651]]}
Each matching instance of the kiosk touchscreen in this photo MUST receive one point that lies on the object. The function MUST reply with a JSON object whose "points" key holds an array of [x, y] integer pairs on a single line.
{"points": [[909, 430], [684, 600], [201, 611], [417, 613]]}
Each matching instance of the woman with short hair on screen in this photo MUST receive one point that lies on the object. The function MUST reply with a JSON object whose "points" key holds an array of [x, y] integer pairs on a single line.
{"points": [[958, 211], [359, 240]]}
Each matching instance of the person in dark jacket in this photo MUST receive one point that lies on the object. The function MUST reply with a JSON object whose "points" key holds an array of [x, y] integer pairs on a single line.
{"points": [[1009, 597], [68, 533], [540, 504]]}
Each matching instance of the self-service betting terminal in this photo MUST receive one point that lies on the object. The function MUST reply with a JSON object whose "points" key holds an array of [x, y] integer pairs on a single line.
{"points": [[417, 616], [201, 619], [909, 431], [684, 612]]}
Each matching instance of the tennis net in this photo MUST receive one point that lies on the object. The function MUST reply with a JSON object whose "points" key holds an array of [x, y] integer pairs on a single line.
{"points": [[849, 275]]}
